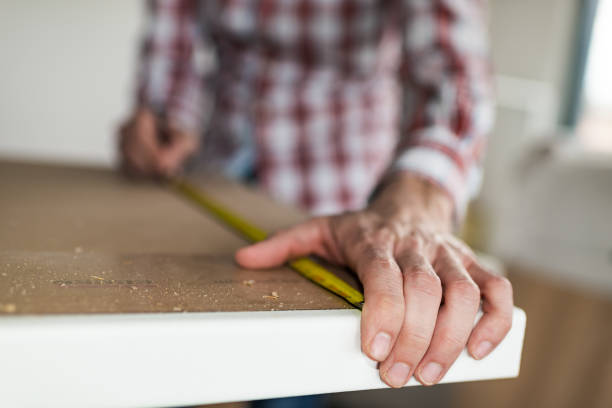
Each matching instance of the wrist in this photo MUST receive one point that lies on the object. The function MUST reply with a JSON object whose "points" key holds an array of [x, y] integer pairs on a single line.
{"points": [[410, 198]]}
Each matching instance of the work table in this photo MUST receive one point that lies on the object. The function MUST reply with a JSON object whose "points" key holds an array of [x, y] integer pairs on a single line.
{"points": [[120, 293]]}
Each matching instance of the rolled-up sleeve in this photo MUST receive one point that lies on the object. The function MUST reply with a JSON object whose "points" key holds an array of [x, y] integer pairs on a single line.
{"points": [[448, 98], [171, 76]]}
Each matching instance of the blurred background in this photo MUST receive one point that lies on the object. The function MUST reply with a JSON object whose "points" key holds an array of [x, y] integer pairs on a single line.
{"points": [[544, 211]]}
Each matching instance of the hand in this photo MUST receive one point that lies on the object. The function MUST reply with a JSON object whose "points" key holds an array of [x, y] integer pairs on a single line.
{"points": [[422, 286], [150, 149]]}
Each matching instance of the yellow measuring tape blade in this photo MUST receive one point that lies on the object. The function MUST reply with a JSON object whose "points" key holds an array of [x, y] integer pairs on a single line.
{"points": [[305, 266]]}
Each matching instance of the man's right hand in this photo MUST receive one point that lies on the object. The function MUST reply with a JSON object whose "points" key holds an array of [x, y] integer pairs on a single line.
{"points": [[150, 150]]}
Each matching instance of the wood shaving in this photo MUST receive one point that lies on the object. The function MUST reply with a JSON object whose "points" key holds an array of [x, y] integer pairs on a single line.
{"points": [[176, 309], [272, 296], [97, 277], [249, 282]]}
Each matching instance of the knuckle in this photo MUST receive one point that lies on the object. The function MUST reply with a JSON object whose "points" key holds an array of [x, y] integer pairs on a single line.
{"points": [[465, 290], [387, 306], [412, 338], [505, 326], [413, 239], [376, 236], [495, 329], [376, 258], [412, 242], [424, 281], [382, 263], [386, 232], [452, 341], [499, 285], [382, 285], [387, 302]]}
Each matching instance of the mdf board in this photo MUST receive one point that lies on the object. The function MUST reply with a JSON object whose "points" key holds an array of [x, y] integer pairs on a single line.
{"points": [[117, 294]]}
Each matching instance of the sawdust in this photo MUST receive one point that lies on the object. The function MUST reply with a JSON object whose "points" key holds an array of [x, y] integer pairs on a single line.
{"points": [[273, 296], [78, 250], [249, 282]]}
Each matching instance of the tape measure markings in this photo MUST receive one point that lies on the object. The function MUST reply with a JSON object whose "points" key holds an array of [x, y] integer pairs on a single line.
{"points": [[304, 266]]}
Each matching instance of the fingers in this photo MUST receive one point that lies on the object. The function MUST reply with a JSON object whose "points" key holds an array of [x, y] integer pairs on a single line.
{"points": [[455, 318], [172, 156], [144, 152], [404, 324], [140, 146], [300, 240], [497, 306], [497, 303], [138, 160], [383, 310], [422, 296], [380, 275], [131, 165]]}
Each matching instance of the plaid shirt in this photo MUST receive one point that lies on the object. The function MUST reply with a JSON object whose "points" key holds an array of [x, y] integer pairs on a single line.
{"points": [[326, 96]]}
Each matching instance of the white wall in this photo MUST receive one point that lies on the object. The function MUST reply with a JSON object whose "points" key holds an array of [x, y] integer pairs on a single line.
{"points": [[544, 206], [534, 40], [531, 47], [66, 73]]}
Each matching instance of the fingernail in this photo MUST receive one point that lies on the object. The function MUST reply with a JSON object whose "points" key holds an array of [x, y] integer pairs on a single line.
{"points": [[397, 376], [380, 346], [431, 373], [483, 349]]}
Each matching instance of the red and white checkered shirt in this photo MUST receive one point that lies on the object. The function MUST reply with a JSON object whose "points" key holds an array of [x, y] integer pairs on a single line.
{"points": [[325, 96]]}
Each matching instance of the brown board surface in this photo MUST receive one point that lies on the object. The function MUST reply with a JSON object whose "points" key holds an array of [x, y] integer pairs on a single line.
{"points": [[86, 240]]}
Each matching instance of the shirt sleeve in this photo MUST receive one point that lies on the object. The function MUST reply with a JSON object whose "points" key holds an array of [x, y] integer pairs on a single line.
{"points": [[448, 103], [173, 64]]}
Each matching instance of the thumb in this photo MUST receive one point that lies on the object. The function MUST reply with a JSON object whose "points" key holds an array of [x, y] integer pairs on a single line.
{"points": [[300, 240]]}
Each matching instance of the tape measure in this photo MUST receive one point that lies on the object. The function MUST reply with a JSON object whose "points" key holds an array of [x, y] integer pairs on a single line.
{"points": [[304, 266]]}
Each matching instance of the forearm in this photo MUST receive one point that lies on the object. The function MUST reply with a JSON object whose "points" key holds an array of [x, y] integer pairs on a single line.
{"points": [[450, 109]]}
